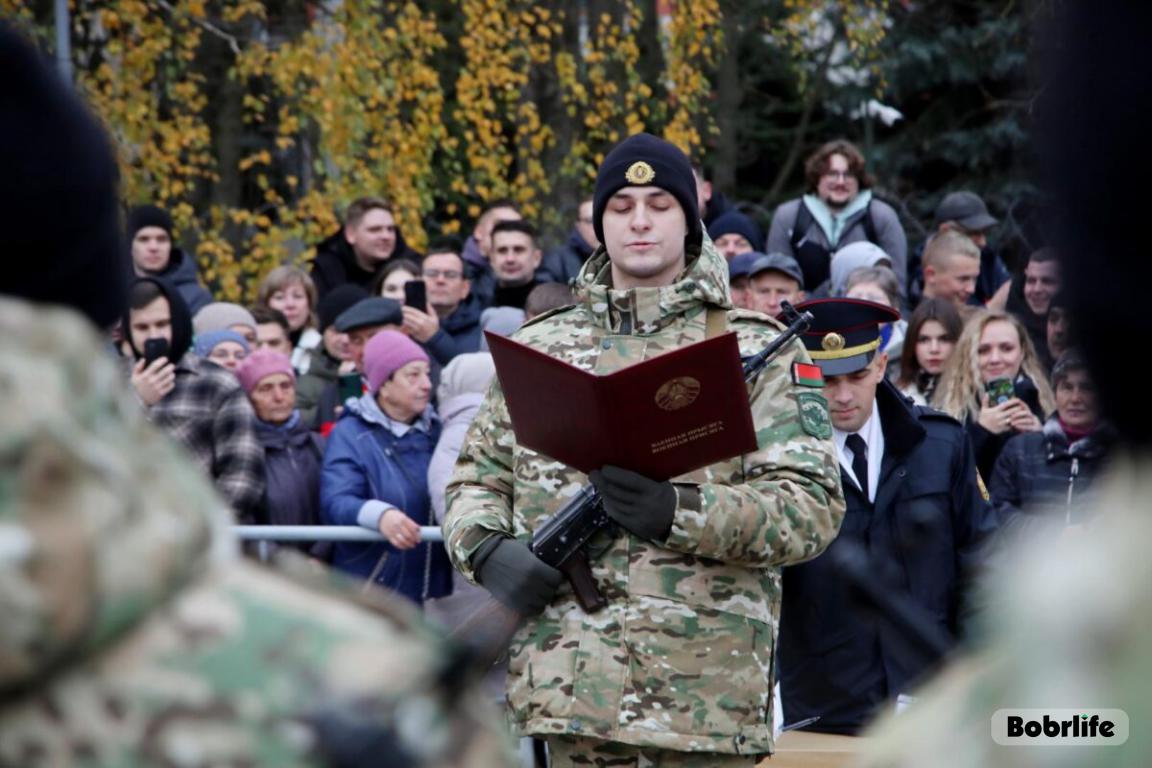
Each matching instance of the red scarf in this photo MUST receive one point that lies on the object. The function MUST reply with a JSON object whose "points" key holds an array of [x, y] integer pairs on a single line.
{"points": [[1073, 434]]}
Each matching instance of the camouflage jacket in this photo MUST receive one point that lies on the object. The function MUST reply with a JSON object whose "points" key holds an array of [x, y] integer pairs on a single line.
{"points": [[131, 633], [682, 658]]}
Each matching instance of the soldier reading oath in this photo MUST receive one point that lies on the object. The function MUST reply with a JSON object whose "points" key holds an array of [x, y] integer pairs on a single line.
{"points": [[677, 668]]}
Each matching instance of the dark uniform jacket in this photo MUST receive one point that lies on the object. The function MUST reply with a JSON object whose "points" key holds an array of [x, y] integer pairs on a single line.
{"points": [[923, 534]]}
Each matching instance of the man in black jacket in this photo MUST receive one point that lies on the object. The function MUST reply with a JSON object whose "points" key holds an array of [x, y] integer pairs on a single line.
{"points": [[368, 239], [916, 511], [155, 255], [562, 264]]}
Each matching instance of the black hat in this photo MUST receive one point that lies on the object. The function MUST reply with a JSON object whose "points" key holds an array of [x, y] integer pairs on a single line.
{"points": [[966, 209], [368, 312], [148, 216], [340, 298], [737, 223], [59, 214], [644, 160], [845, 333], [779, 262]]}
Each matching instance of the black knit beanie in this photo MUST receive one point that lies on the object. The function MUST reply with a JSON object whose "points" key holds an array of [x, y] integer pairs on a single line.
{"points": [[148, 216], [644, 160], [737, 223]]}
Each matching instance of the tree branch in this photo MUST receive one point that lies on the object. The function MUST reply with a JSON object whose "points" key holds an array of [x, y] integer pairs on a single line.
{"points": [[232, 40], [801, 131]]}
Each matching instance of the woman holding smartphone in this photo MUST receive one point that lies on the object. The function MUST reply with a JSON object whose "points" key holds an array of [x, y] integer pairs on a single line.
{"points": [[995, 384]]}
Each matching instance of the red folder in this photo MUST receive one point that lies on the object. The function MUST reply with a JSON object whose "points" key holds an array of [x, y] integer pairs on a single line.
{"points": [[661, 417]]}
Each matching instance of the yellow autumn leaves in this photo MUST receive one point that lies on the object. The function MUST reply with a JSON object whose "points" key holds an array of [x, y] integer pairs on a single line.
{"points": [[436, 105]]}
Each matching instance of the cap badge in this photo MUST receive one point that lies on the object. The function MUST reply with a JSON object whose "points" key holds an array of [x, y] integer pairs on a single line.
{"points": [[639, 173], [832, 342]]}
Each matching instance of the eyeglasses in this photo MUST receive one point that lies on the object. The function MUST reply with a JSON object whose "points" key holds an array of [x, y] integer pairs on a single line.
{"points": [[839, 175], [447, 274]]}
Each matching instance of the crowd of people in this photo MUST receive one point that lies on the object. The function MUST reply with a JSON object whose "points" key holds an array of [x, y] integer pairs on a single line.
{"points": [[938, 405], [342, 395]]}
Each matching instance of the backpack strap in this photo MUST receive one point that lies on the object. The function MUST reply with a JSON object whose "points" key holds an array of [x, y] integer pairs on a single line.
{"points": [[800, 225], [870, 224]]}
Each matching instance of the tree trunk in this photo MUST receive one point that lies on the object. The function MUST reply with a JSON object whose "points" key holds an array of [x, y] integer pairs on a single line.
{"points": [[729, 94]]}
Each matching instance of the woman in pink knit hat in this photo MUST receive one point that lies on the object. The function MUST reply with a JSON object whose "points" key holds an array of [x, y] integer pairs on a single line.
{"points": [[376, 468], [292, 452]]}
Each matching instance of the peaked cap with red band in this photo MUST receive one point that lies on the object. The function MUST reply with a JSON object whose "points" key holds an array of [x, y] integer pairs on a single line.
{"points": [[845, 333]]}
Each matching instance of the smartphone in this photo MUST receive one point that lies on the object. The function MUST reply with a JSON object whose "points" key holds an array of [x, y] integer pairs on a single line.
{"points": [[1000, 391], [350, 386], [154, 349], [416, 295]]}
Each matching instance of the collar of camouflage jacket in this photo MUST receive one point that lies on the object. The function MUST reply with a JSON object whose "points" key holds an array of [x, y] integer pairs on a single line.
{"points": [[648, 310]]}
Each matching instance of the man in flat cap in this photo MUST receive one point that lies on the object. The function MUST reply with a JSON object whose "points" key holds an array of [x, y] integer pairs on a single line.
{"points": [[916, 509], [359, 322], [773, 279], [676, 669]]}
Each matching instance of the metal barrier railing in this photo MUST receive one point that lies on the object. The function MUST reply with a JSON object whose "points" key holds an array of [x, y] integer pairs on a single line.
{"points": [[343, 533]]}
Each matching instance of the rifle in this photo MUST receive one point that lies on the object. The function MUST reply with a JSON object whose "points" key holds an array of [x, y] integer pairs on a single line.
{"points": [[561, 541]]}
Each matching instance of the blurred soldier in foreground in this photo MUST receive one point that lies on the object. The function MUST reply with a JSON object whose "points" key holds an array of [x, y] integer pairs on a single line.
{"points": [[677, 668], [132, 634], [1074, 614]]}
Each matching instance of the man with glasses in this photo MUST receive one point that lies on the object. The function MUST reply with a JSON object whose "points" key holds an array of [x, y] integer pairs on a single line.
{"points": [[453, 324], [839, 209]]}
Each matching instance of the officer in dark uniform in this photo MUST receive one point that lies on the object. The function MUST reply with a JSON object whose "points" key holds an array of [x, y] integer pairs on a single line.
{"points": [[916, 510]]}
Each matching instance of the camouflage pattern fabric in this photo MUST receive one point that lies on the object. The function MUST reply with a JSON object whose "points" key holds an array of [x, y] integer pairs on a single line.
{"points": [[1068, 629], [682, 657], [571, 752], [133, 636]]}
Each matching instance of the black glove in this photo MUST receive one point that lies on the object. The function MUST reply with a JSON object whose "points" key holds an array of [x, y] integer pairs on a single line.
{"points": [[515, 576], [644, 507]]}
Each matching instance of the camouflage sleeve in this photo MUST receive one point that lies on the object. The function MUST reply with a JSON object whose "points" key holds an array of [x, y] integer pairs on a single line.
{"points": [[478, 502], [790, 506]]}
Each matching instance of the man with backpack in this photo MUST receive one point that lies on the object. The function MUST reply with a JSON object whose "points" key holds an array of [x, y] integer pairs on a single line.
{"points": [[838, 209]]}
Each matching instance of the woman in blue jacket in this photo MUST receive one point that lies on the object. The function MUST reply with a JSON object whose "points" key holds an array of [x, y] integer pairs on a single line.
{"points": [[376, 468]]}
